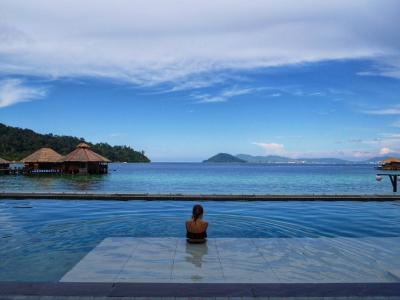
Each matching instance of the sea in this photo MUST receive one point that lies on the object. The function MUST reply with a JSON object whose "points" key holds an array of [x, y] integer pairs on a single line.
{"points": [[202, 178]]}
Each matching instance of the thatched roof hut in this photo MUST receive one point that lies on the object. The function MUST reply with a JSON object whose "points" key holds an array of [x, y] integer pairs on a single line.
{"points": [[4, 162], [44, 160], [4, 166], [82, 153], [85, 161], [391, 163], [43, 155]]}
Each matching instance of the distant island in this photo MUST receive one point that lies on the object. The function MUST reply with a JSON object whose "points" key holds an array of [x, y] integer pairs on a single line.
{"points": [[275, 159], [224, 158], [16, 143]]}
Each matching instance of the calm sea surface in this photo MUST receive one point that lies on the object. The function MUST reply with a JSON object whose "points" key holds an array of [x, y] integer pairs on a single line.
{"points": [[211, 178]]}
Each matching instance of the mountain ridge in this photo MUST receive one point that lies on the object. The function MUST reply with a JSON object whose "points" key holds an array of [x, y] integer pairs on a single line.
{"points": [[271, 159]]}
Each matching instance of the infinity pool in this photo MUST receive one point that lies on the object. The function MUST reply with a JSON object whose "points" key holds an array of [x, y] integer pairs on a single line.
{"points": [[40, 240]]}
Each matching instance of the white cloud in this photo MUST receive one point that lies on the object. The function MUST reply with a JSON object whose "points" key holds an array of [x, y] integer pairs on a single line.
{"points": [[395, 110], [13, 91], [385, 150], [272, 148], [153, 41], [348, 154], [225, 95], [274, 95]]}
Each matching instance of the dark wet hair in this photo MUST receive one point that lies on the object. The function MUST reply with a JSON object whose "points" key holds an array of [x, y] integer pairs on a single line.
{"points": [[197, 211]]}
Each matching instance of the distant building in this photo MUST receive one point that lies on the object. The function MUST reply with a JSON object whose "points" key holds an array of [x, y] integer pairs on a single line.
{"points": [[44, 160], [391, 163], [84, 161], [4, 166]]}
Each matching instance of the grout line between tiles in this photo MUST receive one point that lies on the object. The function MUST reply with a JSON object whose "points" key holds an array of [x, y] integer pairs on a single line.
{"points": [[126, 262], [173, 259], [219, 259]]}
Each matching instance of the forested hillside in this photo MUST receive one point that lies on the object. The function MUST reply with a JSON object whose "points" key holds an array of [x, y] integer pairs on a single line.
{"points": [[16, 143]]}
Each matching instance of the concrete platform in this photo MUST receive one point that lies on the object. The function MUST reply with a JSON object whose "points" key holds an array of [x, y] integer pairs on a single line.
{"points": [[232, 260]]}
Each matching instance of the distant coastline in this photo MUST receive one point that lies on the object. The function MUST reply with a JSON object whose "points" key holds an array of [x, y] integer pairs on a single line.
{"points": [[275, 159]]}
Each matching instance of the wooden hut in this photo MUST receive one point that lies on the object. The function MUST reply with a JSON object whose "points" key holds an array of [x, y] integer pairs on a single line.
{"points": [[4, 166], [391, 163], [84, 161], [44, 160]]}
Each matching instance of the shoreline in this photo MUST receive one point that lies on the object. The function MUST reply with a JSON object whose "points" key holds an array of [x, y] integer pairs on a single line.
{"points": [[197, 197]]}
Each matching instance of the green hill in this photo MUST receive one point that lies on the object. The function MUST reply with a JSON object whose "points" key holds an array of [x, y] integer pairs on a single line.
{"points": [[224, 158], [16, 143]]}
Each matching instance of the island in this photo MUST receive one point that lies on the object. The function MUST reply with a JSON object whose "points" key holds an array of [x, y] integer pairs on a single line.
{"points": [[16, 143], [224, 158]]}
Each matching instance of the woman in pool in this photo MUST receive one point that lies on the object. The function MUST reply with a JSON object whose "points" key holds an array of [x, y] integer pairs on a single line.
{"points": [[196, 227]]}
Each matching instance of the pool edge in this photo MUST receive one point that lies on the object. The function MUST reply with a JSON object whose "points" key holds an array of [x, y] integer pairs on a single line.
{"points": [[199, 289], [199, 197]]}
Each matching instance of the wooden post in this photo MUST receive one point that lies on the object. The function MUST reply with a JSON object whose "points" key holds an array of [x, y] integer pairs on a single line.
{"points": [[393, 179]]}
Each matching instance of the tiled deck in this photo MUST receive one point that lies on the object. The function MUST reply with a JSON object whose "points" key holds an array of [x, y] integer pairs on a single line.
{"points": [[230, 260]]}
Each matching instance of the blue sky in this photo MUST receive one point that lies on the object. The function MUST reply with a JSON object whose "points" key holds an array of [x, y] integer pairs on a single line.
{"points": [[184, 82]]}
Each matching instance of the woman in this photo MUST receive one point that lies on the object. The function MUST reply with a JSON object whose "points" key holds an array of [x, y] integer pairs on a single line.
{"points": [[196, 227]]}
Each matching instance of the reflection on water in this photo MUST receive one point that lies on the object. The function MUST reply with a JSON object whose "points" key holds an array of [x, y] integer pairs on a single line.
{"points": [[195, 253], [55, 182]]}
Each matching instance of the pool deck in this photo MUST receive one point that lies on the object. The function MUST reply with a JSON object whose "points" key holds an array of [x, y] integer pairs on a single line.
{"points": [[272, 268], [199, 197], [241, 260]]}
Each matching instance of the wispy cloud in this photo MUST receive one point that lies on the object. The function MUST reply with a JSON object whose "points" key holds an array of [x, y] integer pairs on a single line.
{"points": [[145, 42], [13, 91], [224, 95], [395, 110], [356, 154], [275, 95]]}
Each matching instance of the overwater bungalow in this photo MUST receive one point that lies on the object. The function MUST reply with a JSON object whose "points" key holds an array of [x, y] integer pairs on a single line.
{"points": [[44, 160], [391, 163], [85, 161], [4, 166]]}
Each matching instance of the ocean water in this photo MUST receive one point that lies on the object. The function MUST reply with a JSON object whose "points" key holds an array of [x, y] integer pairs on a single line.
{"points": [[211, 178], [40, 240]]}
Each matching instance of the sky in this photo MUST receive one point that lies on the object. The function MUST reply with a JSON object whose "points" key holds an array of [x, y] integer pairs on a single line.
{"points": [[184, 80]]}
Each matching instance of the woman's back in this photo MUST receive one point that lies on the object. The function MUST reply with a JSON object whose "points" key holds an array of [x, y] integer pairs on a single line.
{"points": [[196, 228]]}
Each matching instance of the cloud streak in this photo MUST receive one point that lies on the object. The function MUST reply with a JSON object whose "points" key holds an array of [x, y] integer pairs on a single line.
{"points": [[153, 41], [395, 110], [225, 95], [13, 91]]}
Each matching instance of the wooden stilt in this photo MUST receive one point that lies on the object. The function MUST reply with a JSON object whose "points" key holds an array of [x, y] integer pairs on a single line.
{"points": [[393, 179]]}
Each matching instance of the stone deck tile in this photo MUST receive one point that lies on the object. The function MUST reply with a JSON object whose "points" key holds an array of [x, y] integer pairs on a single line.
{"points": [[274, 260]]}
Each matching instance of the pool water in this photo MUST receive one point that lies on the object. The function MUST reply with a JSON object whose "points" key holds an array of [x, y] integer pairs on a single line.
{"points": [[40, 240]]}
